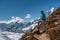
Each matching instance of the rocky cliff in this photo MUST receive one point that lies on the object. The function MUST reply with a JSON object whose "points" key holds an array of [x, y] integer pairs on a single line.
{"points": [[52, 31], [53, 25]]}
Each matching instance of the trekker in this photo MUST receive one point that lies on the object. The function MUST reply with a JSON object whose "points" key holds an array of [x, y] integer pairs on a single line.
{"points": [[43, 17]]}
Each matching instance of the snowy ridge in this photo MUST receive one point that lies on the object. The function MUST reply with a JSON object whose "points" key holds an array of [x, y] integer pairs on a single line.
{"points": [[29, 28]]}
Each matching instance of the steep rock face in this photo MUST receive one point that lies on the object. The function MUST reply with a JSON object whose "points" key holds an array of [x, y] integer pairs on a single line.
{"points": [[53, 25], [52, 32]]}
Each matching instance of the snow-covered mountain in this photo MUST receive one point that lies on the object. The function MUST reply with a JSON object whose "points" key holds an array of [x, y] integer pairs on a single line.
{"points": [[48, 13], [14, 27], [16, 24], [13, 31]]}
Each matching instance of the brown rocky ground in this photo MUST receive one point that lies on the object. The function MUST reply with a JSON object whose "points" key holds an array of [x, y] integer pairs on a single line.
{"points": [[52, 32], [53, 25]]}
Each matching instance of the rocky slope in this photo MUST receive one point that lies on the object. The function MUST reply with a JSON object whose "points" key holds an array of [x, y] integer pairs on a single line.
{"points": [[52, 31], [53, 25]]}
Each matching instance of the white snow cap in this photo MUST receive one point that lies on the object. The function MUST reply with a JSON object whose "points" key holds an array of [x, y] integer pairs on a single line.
{"points": [[49, 12], [28, 16], [52, 9], [13, 19]]}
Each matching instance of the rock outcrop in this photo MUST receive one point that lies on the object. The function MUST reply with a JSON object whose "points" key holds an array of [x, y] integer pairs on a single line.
{"points": [[52, 31], [53, 25]]}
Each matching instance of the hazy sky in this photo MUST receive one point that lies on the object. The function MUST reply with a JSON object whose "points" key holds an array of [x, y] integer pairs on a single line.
{"points": [[21, 8]]}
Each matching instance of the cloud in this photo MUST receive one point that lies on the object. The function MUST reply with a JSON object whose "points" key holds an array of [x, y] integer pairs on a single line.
{"points": [[2, 21], [16, 19], [13, 19], [28, 16]]}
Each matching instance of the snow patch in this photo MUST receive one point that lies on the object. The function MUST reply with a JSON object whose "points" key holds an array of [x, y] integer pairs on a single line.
{"points": [[28, 16]]}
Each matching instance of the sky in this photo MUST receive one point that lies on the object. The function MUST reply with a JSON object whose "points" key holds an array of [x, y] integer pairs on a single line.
{"points": [[25, 8]]}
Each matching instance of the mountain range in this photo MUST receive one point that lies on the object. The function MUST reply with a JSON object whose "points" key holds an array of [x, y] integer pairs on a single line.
{"points": [[17, 25]]}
